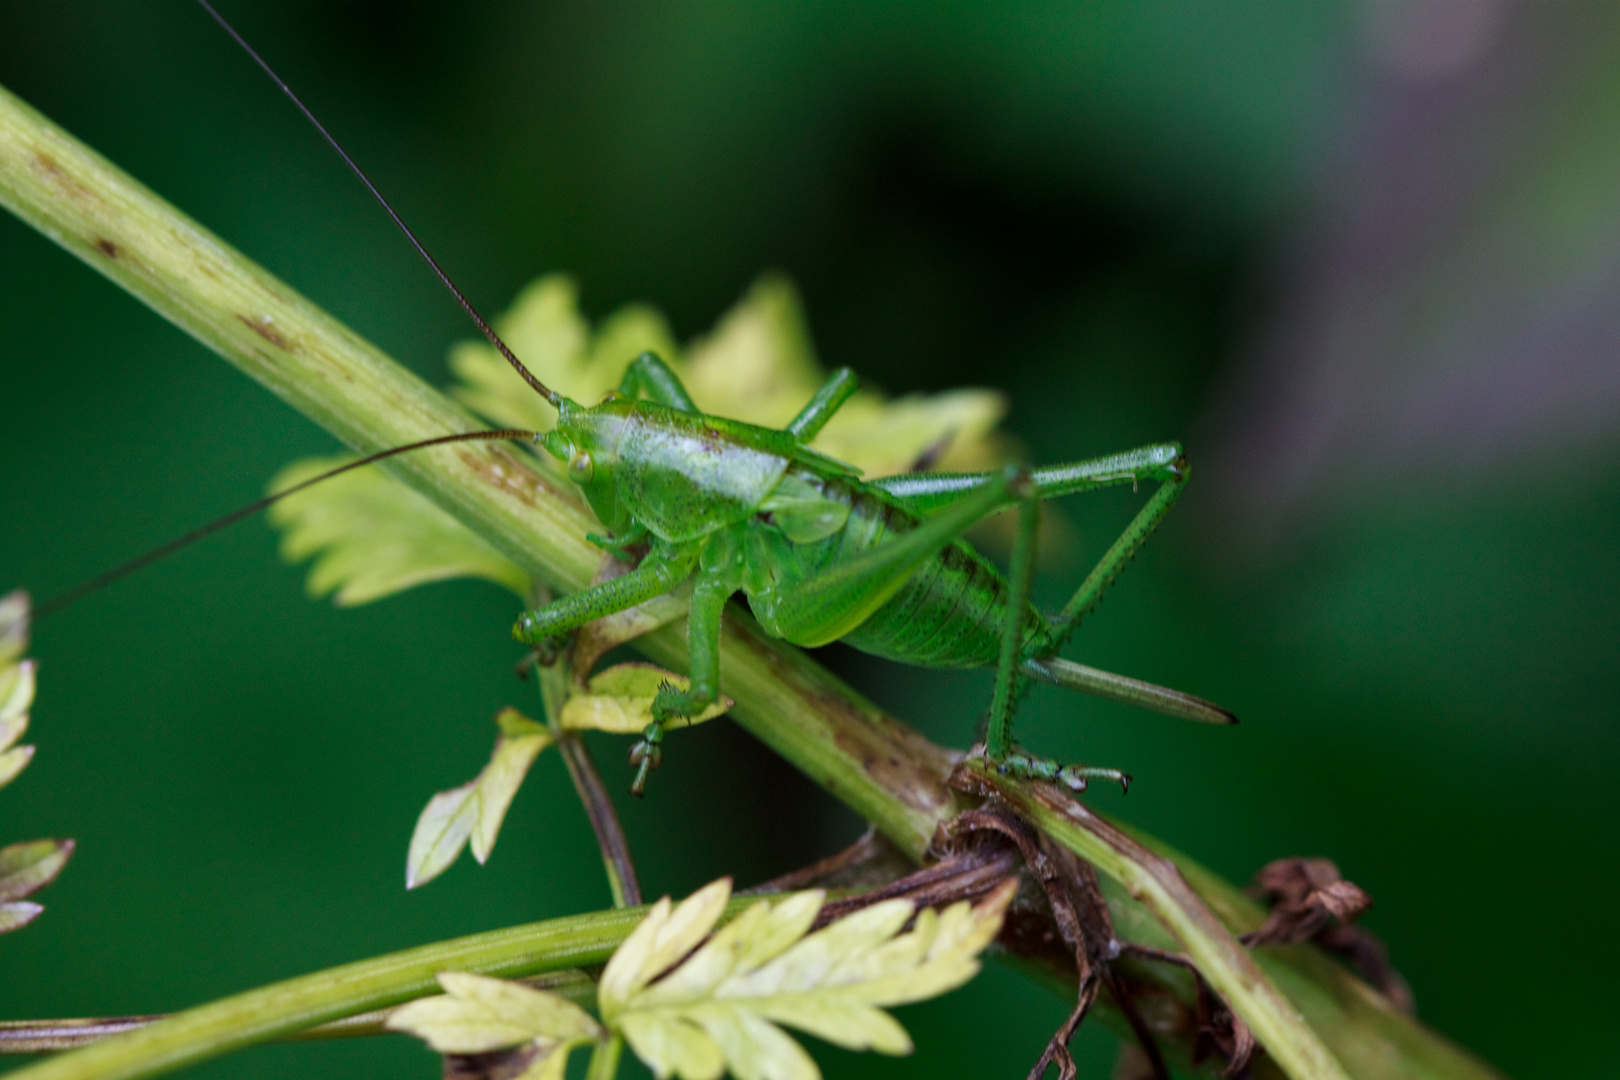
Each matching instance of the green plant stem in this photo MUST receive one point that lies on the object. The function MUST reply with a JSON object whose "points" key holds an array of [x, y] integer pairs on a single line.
{"points": [[281, 1009], [878, 767], [49, 1036], [604, 1063]]}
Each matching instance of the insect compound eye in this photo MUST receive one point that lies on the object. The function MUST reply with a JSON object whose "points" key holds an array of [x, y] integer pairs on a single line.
{"points": [[581, 468], [611, 395]]}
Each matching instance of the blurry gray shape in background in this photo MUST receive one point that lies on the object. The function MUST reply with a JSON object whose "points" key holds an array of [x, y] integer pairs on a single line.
{"points": [[1451, 313]]}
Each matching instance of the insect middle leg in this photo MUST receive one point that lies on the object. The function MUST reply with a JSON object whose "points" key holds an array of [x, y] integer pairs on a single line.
{"points": [[648, 376], [719, 575]]}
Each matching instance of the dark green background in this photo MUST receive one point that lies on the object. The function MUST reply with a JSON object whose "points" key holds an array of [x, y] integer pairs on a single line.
{"points": [[1086, 206]]}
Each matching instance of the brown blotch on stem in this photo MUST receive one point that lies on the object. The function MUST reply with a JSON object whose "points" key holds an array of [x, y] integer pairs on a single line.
{"points": [[67, 182], [106, 247], [262, 326]]}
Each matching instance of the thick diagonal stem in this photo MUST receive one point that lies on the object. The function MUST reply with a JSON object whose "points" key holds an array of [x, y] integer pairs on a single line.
{"points": [[878, 767]]}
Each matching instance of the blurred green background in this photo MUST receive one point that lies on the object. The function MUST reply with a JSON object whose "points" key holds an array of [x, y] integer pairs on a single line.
{"points": [[1362, 258]]}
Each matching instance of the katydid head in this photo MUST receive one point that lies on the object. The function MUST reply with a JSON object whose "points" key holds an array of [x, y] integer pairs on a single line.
{"points": [[587, 440]]}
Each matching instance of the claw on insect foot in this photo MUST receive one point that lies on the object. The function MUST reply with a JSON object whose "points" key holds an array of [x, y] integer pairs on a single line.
{"points": [[1074, 777], [647, 754]]}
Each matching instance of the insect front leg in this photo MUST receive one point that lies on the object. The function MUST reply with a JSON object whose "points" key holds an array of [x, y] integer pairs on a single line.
{"points": [[660, 572]]}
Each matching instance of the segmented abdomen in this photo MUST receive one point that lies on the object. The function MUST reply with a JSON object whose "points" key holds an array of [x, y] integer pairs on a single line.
{"points": [[948, 614]]}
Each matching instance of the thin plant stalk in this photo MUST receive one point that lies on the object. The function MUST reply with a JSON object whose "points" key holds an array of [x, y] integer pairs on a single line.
{"points": [[610, 838], [593, 793]]}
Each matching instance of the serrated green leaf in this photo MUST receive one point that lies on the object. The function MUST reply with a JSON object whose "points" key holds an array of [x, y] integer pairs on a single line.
{"points": [[15, 613], [478, 1014], [17, 916], [372, 536], [724, 1002], [27, 867], [758, 365], [475, 810], [620, 701], [545, 328]]}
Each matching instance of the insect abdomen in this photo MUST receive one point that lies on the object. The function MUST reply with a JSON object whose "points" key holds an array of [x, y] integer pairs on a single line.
{"points": [[947, 614]]}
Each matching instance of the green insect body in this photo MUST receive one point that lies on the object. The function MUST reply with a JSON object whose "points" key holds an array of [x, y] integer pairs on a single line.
{"points": [[822, 555]]}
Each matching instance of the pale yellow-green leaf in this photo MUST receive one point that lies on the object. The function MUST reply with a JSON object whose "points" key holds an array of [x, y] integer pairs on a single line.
{"points": [[477, 1014], [658, 941], [474, 811], [16, 916], [372, 536], [499, 782], [548, 1064], [762, 969], [514, 725], [12, 728], [30, 866], [16, 693], [620, 700], [956, 429], [441, 832], [622, 337], [755, 1048], [757, 365], [672, 1048], [14, 619], [14, 761], [546, 331]]}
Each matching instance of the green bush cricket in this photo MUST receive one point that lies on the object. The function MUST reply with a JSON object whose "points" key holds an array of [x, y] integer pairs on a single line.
{"points": [[819, 553], [822, 555]]}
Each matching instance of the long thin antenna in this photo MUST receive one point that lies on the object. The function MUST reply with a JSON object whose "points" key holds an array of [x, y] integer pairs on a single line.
{"points": [[94, 585], [488, 331]]}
